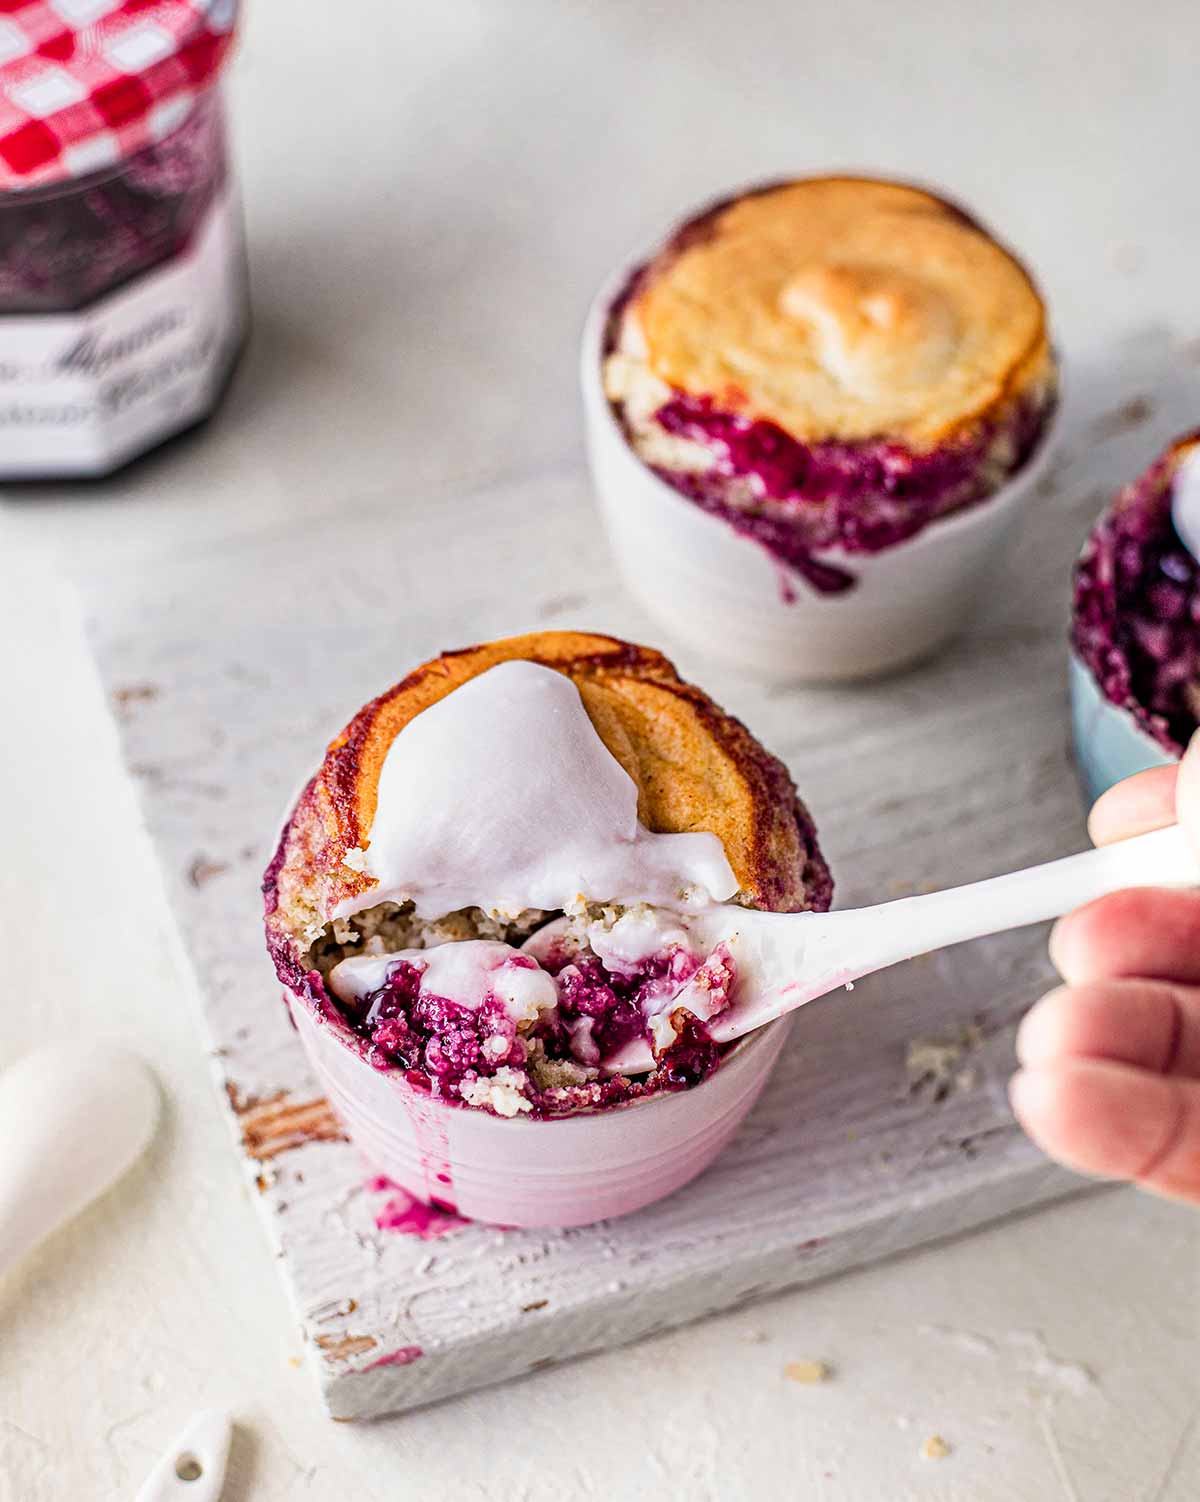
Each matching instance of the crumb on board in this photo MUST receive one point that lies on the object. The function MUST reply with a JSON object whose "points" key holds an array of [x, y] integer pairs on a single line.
{"points": [[1124, 419], [935, 1066], [935, 1448], [131, 694], [202, 870], [806, 1371]]}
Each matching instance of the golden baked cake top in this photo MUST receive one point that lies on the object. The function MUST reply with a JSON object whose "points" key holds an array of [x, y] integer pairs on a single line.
{"points": [[696, 768], [842, 308]]}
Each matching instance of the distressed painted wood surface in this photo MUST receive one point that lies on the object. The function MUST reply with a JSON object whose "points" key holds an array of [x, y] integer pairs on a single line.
{"points": [[229, 669]]}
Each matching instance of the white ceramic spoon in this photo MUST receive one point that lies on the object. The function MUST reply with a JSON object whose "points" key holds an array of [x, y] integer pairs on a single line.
{"points": [[73, 1118], [786, 959], [193, 1469]]}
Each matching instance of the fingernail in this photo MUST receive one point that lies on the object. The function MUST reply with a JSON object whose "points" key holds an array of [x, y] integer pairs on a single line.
{"points": [[1038, 1030], [1026, 1091], [1029, 1035], [1054, 944]]}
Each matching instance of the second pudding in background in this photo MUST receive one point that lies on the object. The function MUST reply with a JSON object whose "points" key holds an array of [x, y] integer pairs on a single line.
{"points": [[813, 416], [1135, 633]]}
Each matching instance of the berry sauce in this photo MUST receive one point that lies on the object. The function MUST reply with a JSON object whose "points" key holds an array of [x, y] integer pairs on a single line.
{"points": [[1136, 620], [692, 1057], [409, 1216], [432, 1034], [442, 1046], [799, 499]]}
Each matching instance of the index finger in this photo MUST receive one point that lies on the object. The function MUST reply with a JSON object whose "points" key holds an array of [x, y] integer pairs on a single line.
{"points": [[1134, 806]]}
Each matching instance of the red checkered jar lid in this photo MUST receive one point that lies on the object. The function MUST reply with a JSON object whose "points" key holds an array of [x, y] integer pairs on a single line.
{"points": [[85, 83]]}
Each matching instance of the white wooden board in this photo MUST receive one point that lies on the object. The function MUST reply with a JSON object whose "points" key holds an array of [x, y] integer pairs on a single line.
{"points": [[229, 669]]}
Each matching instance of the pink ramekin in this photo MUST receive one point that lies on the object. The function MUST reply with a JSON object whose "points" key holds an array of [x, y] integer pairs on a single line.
{"points": [[568, 1171]]}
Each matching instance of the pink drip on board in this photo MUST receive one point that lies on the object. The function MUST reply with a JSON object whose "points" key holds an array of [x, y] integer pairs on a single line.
{"points": [[405, 1356], [409, 1216]]}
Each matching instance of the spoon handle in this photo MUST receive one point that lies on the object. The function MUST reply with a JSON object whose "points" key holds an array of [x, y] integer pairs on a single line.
{"points": [[790, 959], [900, 930], [193, 1469]]}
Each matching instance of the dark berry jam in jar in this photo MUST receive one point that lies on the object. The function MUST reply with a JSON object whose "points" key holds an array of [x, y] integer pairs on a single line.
{"points": [[123, 296]]}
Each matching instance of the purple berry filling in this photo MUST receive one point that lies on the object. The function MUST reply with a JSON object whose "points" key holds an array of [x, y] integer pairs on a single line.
{"points": [[798, 499], [65, 245], [692, 1057], [1137, 612], [442, 1046], [613, 1007], [432, 1033]]}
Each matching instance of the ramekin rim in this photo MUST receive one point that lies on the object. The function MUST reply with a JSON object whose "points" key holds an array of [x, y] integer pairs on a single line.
{"points": [[1078, 668], [347, 1040]]}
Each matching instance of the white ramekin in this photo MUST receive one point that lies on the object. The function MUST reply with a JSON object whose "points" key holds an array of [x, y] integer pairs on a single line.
{"points": [[725, 595], [564, 1172], [1110, 745]]}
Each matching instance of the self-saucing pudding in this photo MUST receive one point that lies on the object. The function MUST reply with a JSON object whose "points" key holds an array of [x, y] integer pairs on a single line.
{"points": [[490, 883], [1136, 624], [831, 365]]}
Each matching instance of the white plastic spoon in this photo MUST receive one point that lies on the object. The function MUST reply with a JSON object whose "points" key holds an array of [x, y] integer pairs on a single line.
{"points": [[193, 1469], [785, 959], [73, 1118]]}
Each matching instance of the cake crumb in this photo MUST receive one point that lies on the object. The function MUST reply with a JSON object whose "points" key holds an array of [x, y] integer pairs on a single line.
{"points": [[806, 1371], [503, 1091], [935, 1448], [936, 1067]]}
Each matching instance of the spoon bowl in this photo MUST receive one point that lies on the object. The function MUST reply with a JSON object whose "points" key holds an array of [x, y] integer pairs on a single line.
{"points": [[786, 959], [73, 1118]]}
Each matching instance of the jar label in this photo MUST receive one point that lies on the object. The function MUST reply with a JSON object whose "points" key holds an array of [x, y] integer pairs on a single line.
{"points": [[80, 393]]}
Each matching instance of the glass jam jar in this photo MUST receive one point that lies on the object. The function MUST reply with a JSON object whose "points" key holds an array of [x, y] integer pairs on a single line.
{"points": [[123, 294]]}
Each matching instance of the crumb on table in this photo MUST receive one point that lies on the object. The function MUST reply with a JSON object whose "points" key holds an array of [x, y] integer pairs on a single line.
{"points": [[936, 1067], [806, 1371], [935, 1448]]}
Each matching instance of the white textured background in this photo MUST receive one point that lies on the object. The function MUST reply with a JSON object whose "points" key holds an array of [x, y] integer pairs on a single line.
{"points": [[432, 194]]}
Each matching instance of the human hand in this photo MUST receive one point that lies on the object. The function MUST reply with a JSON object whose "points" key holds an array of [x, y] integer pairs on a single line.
{"points": [[1110, 1076]]}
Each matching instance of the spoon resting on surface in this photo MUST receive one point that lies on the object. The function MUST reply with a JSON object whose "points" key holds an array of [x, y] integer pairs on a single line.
{"points": [[193, 1469], [786, 959], [73, 1118]]}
